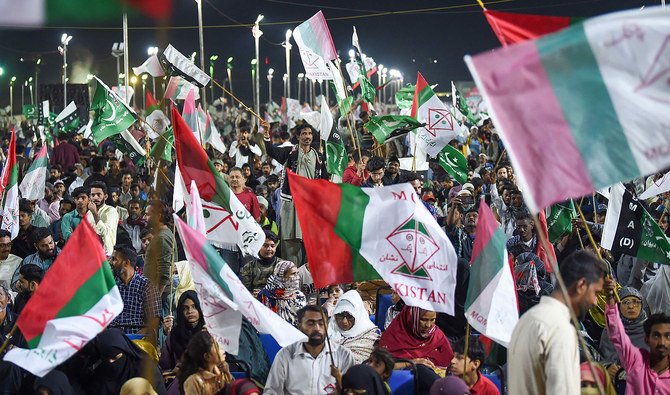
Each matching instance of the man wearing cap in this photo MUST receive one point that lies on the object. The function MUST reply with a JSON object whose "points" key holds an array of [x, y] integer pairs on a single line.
{"points": [[462, 234], [483, 163]]}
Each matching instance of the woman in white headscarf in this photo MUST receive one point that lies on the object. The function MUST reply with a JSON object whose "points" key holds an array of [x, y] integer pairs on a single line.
{"points": [[351, 327]]}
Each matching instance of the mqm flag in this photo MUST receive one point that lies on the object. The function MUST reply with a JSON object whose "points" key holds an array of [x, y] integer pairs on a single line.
{"points": [[151, 66], [126, 143], [461, 105], [383, 126], [190, 116], [210, 133], [591, 96], [490, 304], [453, 162], [225, 299], [30, 111], [67, 311], [177, 89], [336, 154], [345, 227], [513, 28], [68, 119], [32, 185], [195, 165], [155, 118], [630, 229], [440, 127], [112, 115], [559, 221], [316, 47], [9, 190], [657, 188]]}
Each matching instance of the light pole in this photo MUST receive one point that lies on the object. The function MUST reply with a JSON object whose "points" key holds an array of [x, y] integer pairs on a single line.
{"points": [[257, 33], [300, 78], [253, 81], [30, 85], [202, 52], [11, 97], [287, 45], [229, 67], [153, 51], [133, 80], [37, 86], [144, 87], [270, 74], [212, 59], [117, 52], [65, 40], [285, 79]]}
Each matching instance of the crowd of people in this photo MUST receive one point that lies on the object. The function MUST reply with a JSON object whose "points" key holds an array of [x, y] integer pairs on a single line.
{"points": [[160, 344]]}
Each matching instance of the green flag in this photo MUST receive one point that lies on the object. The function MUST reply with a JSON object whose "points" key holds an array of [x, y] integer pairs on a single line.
{"points": [[405, 97], [161, 149], [382, 126], [461, 105], [126, 143], [367, 90], [30, 111], [68, 119], [558, 221], [112, 115], [454, 163], [336, 154], [342, 102]]}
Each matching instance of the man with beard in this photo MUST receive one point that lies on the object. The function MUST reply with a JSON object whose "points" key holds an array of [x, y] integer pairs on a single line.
{"points": [[305, 368], [646, 371], [461, 234], [105, 218], [44, 257], [29, 280], [71, 220], [544, 342], [158, 258], [134, 224], [255, 274], [392, 174], [305, 161], [141, 302], [8, 261], [22, 245]]}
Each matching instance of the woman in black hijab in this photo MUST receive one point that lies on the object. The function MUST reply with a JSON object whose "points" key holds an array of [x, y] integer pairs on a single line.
{"points": [[189, 322], [363, 377]]}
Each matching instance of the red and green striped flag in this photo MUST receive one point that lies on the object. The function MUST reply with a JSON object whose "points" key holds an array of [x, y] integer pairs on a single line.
{"points": [[439, 126], [9, 190], [490, 305], [67, 310], [316, 46], [513, 28], [355, 234], [583, 108], [32, 185], [195, 165], [155, 118]]}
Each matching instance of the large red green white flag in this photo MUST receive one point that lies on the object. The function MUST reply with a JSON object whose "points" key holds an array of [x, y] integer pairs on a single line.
{"points": [[490, 305], [356, 234], [67, 310], [195, 165], [512, 28], [440, 127], [9, 191], [224, 299], [32, 185], [583, 108], [316, 47]]}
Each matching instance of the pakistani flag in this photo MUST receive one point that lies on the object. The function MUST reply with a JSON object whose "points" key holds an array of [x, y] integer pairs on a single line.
{"points": [[559, 221], [32, 185], [155, 118], [126, 143], [162, 148], [336, 154], [68, 119], [67, 311], [360, 234], [631, 230], [454, 163], [30, 111], [112, 115], [383, 126], [9, 190], [490, 304], [461, 105], [428, 109]]}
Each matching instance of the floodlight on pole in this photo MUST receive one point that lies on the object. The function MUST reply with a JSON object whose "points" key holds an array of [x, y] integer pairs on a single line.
{"points": [[65, 40]]}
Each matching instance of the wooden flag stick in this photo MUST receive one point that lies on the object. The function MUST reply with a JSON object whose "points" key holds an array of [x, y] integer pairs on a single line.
{"points": [[346, 97], [325, 326], [238, 100], [481, 4], [665, 208], [465, 350]]}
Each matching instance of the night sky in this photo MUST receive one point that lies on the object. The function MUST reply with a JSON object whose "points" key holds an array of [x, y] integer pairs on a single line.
{"points": [[409, 42]]}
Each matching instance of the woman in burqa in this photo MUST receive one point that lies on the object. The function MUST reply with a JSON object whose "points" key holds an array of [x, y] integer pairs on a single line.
{"points": [[531, 285], [189, 321], [119, 361], [363, 379]]}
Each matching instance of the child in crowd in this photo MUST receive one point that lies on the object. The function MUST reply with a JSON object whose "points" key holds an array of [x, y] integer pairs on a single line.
{"points": [[334, 293], [468, 366], [383, 362]]}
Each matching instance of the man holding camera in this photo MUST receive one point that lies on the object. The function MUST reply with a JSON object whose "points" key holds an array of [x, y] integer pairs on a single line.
{"points": [[244, 150], [462, 224]]}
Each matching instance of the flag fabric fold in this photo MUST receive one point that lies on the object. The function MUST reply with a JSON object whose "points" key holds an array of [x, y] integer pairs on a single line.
{"points": [[112, 115], [428, 109], [178, 88], [32, 185], [382, 127], [356, 234], [68, 119], [512, 28], [658, 187], [210, 133], [559, 220], [155, 117], [453, 162], [152, 66], [67, 311], [9, 190], [583, 108], [490, 304]]}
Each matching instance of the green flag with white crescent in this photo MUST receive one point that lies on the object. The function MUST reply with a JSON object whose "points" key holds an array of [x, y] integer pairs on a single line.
{"points": [[382, 126], [112, 115], [454, 163]]}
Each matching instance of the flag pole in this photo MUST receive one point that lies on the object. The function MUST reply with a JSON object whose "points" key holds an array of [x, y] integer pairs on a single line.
{"points": [[354, 137], [238, 100], [481, 4], [325, 325], [665, 208], [8, 338], [125, 56], [465, 350], [152, 128], [499, 158], [593, 242], [174, 228], [566, 297]]}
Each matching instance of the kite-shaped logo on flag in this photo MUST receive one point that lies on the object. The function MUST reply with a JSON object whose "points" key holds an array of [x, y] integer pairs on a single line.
{"points": [[439, 119], [416, 247], [310, 59], [656, 81]]}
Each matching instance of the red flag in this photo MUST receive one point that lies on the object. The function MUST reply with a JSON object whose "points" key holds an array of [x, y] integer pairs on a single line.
{"points": [[513, 28]]}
